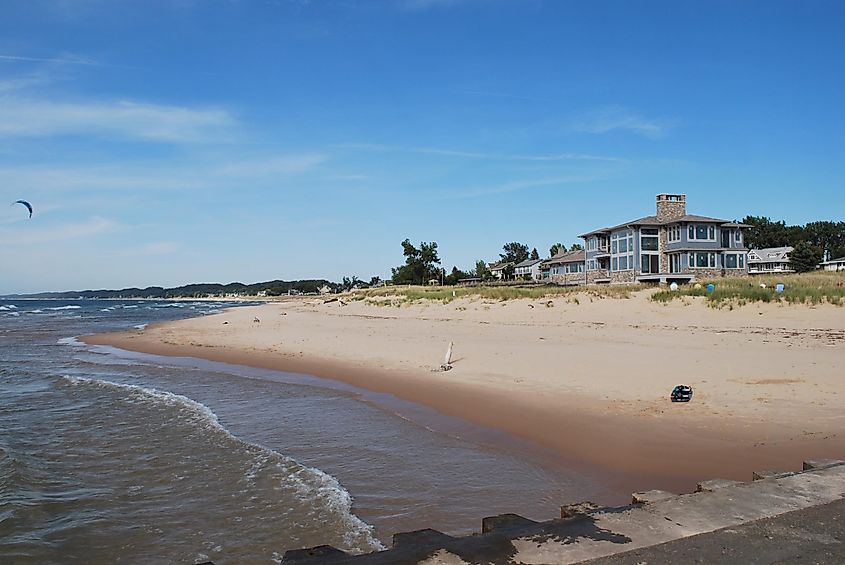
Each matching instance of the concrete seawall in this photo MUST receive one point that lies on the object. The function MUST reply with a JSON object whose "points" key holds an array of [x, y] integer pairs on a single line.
{"points": [[659, 524]]}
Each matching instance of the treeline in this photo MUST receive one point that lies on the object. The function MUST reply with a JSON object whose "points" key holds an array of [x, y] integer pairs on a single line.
{"points": [[201, 290], [814, 242], [422, 264]]}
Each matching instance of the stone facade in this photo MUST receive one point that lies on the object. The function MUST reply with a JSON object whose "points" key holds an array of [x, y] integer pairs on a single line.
{"points": [[597, 274], [567, 279]]}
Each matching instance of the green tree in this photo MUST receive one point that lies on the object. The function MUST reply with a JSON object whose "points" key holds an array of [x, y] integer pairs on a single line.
{"points": [[576, 247], [514, 252], [456, 275], [508, 271], [535, 254], [766, 233], [827, 236], [556, 248], [805, 257], [482, 271], [419, 264]]}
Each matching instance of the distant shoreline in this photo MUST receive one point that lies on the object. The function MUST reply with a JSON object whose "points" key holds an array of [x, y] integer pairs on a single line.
{"points": [[588, 380]]}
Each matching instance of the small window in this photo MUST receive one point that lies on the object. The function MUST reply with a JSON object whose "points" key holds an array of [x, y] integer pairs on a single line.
{"points": [[691, 232], [730, 261]]}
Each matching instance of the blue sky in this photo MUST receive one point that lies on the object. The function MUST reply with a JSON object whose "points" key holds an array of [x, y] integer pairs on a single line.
{"points": [[222, 140]]}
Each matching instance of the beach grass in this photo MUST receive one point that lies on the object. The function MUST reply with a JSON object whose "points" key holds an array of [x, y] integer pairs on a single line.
{"points": [[397, 295], [806, 288]]}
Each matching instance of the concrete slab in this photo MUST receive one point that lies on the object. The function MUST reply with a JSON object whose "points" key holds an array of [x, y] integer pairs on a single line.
{"points": [[609, 531]]}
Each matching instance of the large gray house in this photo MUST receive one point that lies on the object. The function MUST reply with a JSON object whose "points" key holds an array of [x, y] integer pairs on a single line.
{"points": [[669, 246]]}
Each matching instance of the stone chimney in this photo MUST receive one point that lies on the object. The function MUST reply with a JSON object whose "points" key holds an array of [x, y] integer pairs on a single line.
{"points": [[671, 206]]}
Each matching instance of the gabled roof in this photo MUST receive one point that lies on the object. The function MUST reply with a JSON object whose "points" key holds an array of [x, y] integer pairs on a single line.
{"points": [[653, 221], [528, 263], [577, 256], [498, 265], [831, 261], [769, 254]]}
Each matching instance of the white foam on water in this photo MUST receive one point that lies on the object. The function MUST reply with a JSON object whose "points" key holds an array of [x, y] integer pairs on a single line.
{"points": [[128, 306], [310, 483], [65, 308], [13, 314], [140, 327], [72, 341], [35, 312]]}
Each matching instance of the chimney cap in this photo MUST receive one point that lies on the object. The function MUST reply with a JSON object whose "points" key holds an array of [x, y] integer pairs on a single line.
{"points": [[672, 197]]}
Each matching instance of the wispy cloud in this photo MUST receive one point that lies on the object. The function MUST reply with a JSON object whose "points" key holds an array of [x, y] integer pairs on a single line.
{"points": [[609, 118], [516, 186], [64, 60], [160, 248], [94, 226], [173, 124], [480, 155], [275, 165]]}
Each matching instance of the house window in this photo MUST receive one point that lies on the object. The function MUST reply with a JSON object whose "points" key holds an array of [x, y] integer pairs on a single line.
{"points": [[702, 260], [592, 243], [738, 236], [614, 264], [649, 243], [742, 261], [702, 232], [674, 233], [731, 261]]}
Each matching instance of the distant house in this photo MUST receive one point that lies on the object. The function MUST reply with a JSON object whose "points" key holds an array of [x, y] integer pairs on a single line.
{"points": [[497, 267], [668, 246], [770, 260], [565, 268], [529, 269], [325, 289], [834, 264]]}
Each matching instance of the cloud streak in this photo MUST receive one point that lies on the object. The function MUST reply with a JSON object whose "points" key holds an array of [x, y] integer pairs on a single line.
{"points": [[149, 122], [610, 118], [481, 155], [58, 60], [94, 226], [518, 186]]}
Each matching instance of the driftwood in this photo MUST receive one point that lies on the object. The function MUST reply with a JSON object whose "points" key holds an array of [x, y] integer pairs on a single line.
{"points": [[447, 360], [256, 320]]}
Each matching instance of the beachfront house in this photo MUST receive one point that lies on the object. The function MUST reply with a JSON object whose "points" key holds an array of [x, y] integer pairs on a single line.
{"points": [[666, 247], [565, 268], [834, 264], [529, 269], [497, 267], [770, 260]]}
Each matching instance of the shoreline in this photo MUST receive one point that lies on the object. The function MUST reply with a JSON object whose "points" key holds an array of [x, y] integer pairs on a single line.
{"points": [[625, 444]]}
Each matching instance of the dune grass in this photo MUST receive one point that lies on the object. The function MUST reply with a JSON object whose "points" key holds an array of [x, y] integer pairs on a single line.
{"points": [[397, 295], [807, 288]]}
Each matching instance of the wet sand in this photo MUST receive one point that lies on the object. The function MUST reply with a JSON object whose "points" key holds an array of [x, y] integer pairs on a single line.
{"points": [[588, 378]]}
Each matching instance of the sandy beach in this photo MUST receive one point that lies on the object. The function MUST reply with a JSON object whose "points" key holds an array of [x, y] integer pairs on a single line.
{"points": [[586, 377]]}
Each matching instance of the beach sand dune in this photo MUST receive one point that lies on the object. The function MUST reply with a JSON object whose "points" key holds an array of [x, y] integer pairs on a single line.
{"points": [[586, 377]]}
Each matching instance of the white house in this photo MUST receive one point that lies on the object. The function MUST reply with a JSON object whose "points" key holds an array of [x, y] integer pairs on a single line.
{"points": [[834, 264], [497, 268], [770, 260], [529, 269]]}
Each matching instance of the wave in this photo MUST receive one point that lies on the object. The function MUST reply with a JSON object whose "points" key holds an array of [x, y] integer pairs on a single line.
{"points": [[140, 327], [65, 308], [72, 341], [309, 483]]}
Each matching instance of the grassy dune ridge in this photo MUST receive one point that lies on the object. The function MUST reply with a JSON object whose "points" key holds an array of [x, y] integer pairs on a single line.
{"points": [[807, 288]]}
